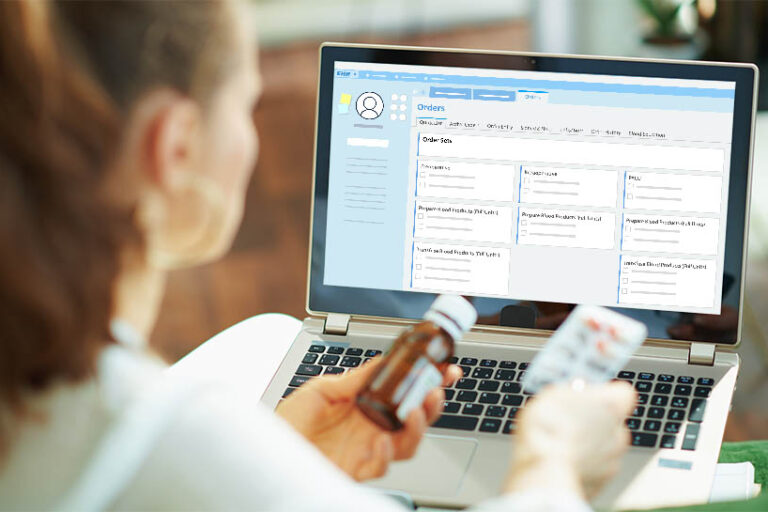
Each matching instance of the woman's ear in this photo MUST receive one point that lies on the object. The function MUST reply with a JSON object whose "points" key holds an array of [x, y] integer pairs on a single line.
{"points": [[171, 141], [174, 205]]}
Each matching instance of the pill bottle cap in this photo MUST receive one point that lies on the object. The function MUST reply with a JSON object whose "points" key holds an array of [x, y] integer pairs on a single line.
{"points": [[453, 313]]}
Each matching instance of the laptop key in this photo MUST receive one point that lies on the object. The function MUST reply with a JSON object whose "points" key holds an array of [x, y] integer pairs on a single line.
{"points": [[685, 379], [466, 396], [335, 350], [466, 370], [482, 373], [449, 393], [646, 376], [663, 388], [298, 380], [309, 358], [456, 422], [472, 409], [288, 391], [496, 411], [643, 387], [644, 439], [691, 436], [638, 411], [488, 385], [656, 412], [513, 412], [505, 375], [327, 360], [668, 441], [676, 415], [453, 360], [488, 363], [511, 387], [350, 361], [508, 365], [696, 414], [672, 427], [489, 398], [309, 369], [469, 361], [665, 377], [683, 390], [702, 392], [317, 348], [624, 374], [652, 425], [678, 401], [515, 400], [333, 370], [490, 425], [659, 400], [451, 407], [372, 352], [520, 375], [465, 383], [523, 366], [354, 351], [509, 427], [632, 423], [705, 381], [642, 399]]}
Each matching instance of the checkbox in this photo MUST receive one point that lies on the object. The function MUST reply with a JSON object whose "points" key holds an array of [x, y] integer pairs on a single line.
{"points": [[624, 281], [527, 180], [523, 222], [526, 190], [421, 216], [418, 267], [524, 232], [623, 291], [417, 276], [629, 196]]}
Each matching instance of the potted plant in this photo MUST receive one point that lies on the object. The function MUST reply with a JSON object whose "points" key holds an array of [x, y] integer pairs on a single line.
{"points": [[673, 29]]}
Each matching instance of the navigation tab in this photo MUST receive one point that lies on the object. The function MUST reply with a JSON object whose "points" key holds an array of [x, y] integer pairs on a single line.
{"points": [[493, 95], [454, 93]]}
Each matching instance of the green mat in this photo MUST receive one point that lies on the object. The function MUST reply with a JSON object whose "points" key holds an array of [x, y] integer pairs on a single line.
{"points": [[755, 452]]}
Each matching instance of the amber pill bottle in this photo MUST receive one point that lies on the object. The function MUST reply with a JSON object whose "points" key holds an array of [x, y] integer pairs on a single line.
{"points": [[416, 362]]}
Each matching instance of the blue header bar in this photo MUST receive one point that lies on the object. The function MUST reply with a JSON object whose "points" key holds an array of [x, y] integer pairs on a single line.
{"points": [[539, 85]]}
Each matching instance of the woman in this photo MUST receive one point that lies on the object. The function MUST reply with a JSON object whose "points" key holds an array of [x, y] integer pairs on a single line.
{"points": [[126, 144]]}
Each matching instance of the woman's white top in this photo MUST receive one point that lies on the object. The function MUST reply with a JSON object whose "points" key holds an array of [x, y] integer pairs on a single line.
{"points": [[133, 438]]}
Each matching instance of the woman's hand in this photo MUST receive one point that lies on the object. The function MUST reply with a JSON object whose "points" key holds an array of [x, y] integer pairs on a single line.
{"points": [[324, 411], [568, 439]]}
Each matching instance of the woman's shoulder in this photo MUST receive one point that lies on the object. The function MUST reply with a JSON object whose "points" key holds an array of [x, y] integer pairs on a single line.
{"points": [[56, 437]]}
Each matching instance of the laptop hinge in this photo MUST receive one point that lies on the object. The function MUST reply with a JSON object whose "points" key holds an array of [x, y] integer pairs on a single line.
{"points": [[336, 323], [702, 354]]}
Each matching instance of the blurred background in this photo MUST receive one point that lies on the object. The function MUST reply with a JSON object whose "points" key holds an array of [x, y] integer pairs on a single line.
{"points": [[267, 267]]}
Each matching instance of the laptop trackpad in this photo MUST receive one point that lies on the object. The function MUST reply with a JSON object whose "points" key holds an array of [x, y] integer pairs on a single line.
{"points": [[437, 469]]}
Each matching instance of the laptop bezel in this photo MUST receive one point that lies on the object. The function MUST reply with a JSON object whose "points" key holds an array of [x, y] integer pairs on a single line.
{"points": [[744, 115]]}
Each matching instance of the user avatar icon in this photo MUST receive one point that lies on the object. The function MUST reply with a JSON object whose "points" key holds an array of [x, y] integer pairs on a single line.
{"points": [[369, 105]]}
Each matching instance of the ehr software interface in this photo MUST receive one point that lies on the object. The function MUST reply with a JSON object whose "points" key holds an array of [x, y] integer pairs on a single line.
{"points": [[528, 185]]}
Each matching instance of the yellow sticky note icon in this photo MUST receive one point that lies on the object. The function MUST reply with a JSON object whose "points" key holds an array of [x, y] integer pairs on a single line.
{"points": [[346, 99]]}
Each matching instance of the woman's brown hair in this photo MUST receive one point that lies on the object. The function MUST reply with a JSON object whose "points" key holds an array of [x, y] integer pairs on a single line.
{"points": [[70, 73]]}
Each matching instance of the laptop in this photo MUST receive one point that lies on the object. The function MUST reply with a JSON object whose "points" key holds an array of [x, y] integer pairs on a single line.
{"points": [[530, 184]]}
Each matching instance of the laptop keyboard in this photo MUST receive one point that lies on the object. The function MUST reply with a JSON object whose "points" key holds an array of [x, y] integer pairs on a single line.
{"points": [[488, 398]]}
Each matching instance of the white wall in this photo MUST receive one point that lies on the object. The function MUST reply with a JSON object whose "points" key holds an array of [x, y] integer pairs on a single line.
{"points": [[281, 21]]}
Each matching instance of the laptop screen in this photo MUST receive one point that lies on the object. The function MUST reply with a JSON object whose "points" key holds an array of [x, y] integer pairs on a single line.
{"points": [[528, 189]]}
